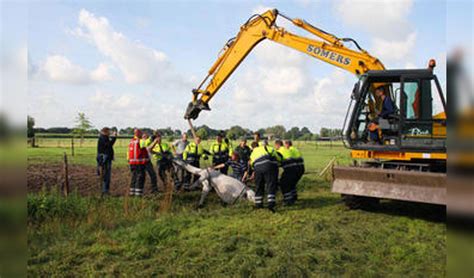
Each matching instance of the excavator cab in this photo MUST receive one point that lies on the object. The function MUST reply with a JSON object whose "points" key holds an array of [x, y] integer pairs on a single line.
{"points": [[399, 155], [416, 121]]}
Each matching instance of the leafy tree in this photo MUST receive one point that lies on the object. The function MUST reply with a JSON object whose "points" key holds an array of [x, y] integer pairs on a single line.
{"points": [[203, 133], [147, 130], [126, 131], [324, 132], [82, 125], [261, 131], [305, 130], [277, 131], [330, 132], [31, 127], [236, 132], [306, 137], [93, 131], [293, 133], [5, 128]]}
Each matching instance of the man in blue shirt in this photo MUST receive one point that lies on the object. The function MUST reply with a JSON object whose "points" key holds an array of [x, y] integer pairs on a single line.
{"points": [[388, 107], [238, 166]]}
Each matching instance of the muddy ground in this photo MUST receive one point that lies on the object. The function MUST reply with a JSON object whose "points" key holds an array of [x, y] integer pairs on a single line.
{"points": [[82, 178]]}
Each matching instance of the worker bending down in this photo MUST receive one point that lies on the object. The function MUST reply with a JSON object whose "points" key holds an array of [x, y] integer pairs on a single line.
{"points": [[137, 158], [290, 173], [298, 160], [264, 161], [238, 166], [162, 152], [145, 143]]}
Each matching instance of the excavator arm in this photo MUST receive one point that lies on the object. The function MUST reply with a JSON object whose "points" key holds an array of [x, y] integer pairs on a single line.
{"points": [[326, 47]]}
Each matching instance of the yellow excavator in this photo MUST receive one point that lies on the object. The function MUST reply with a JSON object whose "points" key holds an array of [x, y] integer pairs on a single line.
{"points": [[401, 156]]}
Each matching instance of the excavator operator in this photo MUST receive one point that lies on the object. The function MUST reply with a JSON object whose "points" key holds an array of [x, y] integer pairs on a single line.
{"points": [[388, 107]]}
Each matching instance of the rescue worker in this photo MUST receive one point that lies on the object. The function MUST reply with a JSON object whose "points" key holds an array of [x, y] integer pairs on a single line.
{"points": [[243, 150], [220, 152], [162, 153], [192, 155], [178, 148], [256, 138], [105, 156], [137, 158], [145, 143], [290, 172], [238, 166], [229, 146], [264, 161], [298, 159]]}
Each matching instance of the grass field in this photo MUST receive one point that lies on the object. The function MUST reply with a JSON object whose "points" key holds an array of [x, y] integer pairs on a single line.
{"points": [[89, 236]]}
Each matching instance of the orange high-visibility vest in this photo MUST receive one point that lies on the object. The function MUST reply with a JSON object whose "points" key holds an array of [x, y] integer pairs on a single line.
{"points": [[136, 154]]}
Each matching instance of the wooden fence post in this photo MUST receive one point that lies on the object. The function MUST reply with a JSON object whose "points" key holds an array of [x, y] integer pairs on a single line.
{"points": [[72, 146], [65, 188]]}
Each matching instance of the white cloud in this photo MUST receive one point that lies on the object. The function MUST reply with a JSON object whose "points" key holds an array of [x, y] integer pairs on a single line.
{"points": [[59, 68], [260, 9], [274, 86], [386, 21], [394, 50], [305, 3], [124, 109], [137, 62], [101, 73]]}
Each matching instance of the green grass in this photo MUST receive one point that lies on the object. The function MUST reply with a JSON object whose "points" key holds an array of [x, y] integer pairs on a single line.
{"points": [[317, 155], [318, 237]]}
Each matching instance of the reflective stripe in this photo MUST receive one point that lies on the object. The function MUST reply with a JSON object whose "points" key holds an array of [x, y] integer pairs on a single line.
{"points": [[135, 154], [290, 165], [138, 160], [264, 161]]}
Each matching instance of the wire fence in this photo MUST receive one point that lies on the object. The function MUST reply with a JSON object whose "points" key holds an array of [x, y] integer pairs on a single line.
{"points": [[123, 142], [46, 162]]}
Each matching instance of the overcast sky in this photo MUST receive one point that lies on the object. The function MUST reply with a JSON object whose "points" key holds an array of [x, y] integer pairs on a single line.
{"points": [[135, 63]]}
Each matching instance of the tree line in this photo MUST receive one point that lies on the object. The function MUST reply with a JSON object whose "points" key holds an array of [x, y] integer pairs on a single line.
{"points": [[84, 126]]}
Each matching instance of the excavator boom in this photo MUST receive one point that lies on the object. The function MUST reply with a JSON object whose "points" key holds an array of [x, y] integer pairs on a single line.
{"points": [[325, 47]]}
